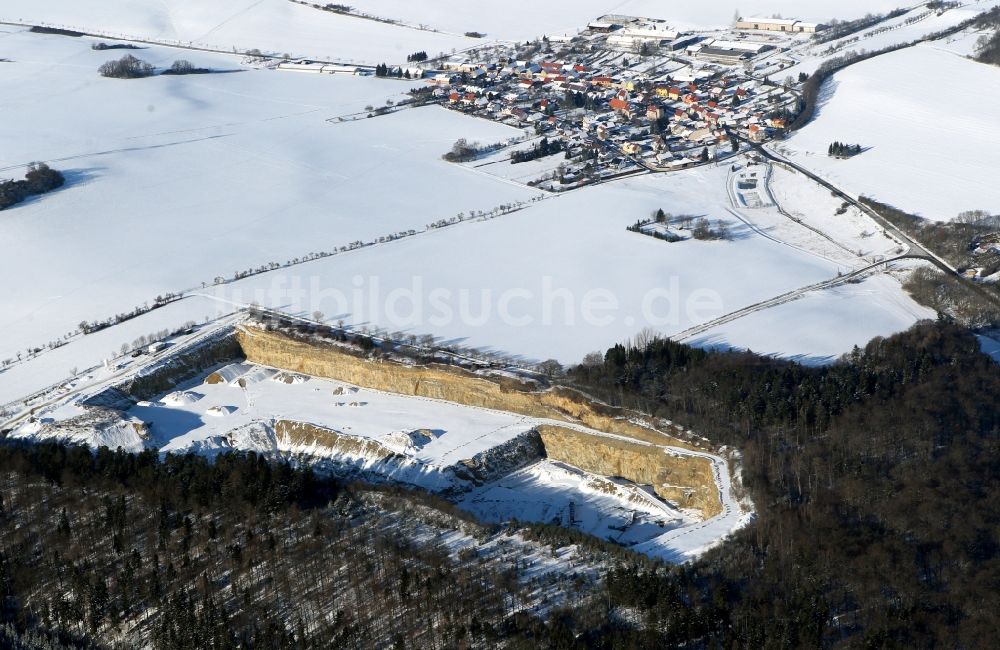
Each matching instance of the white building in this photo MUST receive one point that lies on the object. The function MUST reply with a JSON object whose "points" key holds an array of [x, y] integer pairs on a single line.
{"points": [[744, 46], [778, 25], [650, 33]]}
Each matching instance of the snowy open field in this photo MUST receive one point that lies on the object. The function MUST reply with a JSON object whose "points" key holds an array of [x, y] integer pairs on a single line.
{"points": [[519, 19], [816, 207], [283, 26], [522, 286], [173, 181], [272, 26], [928, 117], [856, 312], [564, 277], [914, 25]]}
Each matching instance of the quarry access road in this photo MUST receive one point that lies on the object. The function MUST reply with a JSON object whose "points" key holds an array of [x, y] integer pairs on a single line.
{"points": [[142, 362], [678, 544]]}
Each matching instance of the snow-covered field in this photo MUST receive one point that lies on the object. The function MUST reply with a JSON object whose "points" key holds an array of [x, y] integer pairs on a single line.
{"points": [[283, 26], [271, 26], [914, 25], [86, 354], [559, 279], [519, 19], [173, 181], [816, 207], [856, 312], [928, 120]]}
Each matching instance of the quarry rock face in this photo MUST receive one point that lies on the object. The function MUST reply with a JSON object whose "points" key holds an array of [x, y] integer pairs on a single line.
{"points": [[440, 382], [502, 459], [685, 480]]}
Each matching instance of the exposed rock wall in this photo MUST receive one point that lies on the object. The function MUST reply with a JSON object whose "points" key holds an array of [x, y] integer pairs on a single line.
{"points": [[497, 462], [441, 382], [175, 369], [97, 427], [354, 455], [304, 436], [685, 480]]}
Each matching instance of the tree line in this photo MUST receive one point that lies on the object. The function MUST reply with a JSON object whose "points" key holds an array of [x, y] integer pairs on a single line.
{"points": [[875, 480], [988, 46], [130, 67]]}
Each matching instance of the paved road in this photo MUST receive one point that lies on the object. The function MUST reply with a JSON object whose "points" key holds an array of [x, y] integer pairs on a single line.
{"points": [[916, 248], [783, 298]]}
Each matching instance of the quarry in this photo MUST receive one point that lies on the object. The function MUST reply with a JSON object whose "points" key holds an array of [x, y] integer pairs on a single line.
{"points": [[503, 446]]}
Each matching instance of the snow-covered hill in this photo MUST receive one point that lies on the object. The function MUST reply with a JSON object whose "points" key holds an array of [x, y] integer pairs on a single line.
{"points": [[272, 26], [927, 119], [172, 181], [520, 19], [284, 26]]}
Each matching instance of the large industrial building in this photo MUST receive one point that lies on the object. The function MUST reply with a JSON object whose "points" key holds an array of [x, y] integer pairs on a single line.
{"points": [[778, 25]]}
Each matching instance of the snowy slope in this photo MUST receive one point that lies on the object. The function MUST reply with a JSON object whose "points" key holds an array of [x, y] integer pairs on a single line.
{"points": [[928, 117], [519, 20], [553, 492], [173, 181], [857, 313], [272, 26], [51, 367], [918, 23], [522, 286], [990, 347]]}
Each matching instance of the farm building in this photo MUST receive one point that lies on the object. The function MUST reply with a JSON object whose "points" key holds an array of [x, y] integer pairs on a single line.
{"points": [[722, 55], [778, 25]]}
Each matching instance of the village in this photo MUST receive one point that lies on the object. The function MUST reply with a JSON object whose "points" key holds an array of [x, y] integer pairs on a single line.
{"points": [[626, 95]]}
